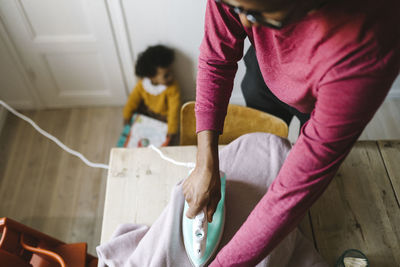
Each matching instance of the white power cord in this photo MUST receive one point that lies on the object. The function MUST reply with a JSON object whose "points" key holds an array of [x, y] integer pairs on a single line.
{"points": [[190, 165], [54, 139]]}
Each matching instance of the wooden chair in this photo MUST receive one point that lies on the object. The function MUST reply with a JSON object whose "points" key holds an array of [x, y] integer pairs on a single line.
{"points": [[239, 121], [23, 246]]}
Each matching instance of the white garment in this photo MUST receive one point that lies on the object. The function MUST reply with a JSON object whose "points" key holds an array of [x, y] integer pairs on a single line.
{"points": [[151, 88]]}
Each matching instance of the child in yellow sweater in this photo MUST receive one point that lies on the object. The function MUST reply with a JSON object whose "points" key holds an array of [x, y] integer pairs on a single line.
{"points": [[157, 93]]}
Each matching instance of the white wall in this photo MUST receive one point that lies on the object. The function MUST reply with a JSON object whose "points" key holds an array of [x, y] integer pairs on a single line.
{"points": [[175, 23]]}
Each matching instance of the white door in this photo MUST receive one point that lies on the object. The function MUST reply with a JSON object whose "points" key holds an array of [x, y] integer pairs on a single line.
{"points": [[67, 50]]}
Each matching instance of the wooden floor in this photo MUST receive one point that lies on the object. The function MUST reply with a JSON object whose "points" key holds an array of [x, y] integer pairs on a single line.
{"points": [[44, 187], [54, 192], [360, 208], [384, 125]]}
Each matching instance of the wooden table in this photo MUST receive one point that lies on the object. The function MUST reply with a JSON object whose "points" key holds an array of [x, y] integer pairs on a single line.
{"points": [[360, 209]]}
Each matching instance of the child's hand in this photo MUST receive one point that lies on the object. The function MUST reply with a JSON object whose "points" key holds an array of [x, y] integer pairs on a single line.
{"points": [[169, 138], [126, 122]]}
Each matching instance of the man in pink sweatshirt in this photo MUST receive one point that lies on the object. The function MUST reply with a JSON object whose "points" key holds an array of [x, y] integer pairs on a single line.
{"points": [[332, 59]]}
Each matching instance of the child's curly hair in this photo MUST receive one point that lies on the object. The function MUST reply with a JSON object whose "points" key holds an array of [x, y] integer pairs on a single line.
{"points": [[152, 58]]}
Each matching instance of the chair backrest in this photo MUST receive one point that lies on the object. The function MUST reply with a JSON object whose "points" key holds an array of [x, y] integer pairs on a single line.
{"points": [[239, 121], [21, 245]]}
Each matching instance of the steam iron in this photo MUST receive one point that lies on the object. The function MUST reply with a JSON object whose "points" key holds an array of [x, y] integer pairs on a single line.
{"points": [[201, 239]]}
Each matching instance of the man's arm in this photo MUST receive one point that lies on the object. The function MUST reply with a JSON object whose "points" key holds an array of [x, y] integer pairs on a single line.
{"points": [[202, 188], [344, 106], [221, 48]]}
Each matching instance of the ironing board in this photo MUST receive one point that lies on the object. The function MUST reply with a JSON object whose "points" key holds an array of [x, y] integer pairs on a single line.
{"points": [[137, 177], [360, 208]]}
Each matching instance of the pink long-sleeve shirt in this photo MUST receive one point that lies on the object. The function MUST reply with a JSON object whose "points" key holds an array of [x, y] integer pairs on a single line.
{"points": [[336, 64]]}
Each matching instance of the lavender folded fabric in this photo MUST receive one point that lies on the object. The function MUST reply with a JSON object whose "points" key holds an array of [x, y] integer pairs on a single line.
{"points": [[250, 163]]}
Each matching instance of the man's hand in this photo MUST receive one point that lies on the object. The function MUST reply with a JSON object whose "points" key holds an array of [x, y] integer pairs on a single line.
{"points": [[202, 189]]}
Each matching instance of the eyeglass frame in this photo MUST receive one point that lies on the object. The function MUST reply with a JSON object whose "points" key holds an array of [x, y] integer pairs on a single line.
{"points": [[257, 17]]}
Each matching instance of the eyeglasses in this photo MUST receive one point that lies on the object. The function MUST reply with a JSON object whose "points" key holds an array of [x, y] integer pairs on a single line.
{"points": [[256, 16]]}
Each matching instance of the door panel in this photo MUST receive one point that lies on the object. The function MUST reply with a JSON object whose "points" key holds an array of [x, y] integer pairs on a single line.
{"points": [[78, 74], [67, 50], [13, 89], [66, 17]]}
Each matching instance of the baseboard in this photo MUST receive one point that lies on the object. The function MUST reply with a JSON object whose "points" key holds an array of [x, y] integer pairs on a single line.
{"points": [[3, 116]]}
